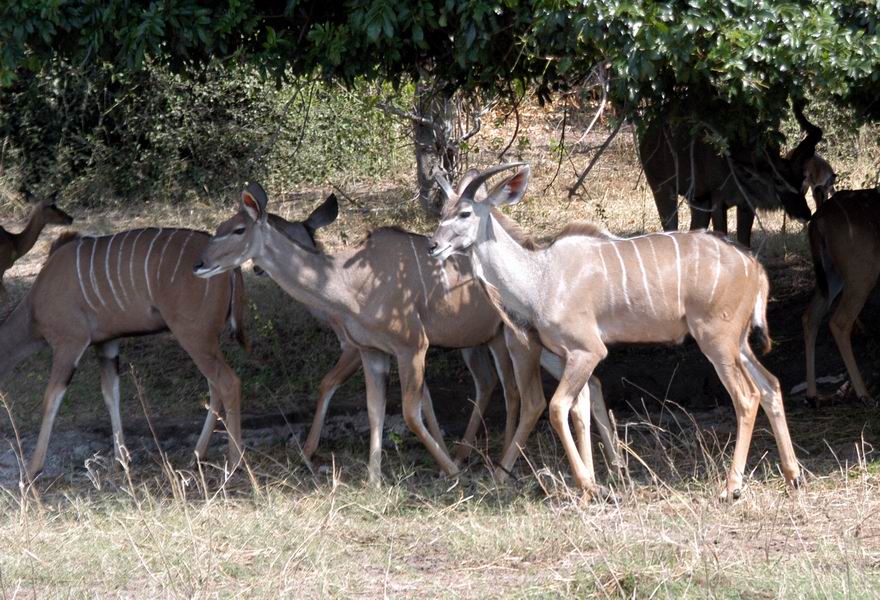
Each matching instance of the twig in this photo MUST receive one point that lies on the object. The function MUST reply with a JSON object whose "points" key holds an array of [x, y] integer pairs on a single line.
{"points": [[595, 159]]}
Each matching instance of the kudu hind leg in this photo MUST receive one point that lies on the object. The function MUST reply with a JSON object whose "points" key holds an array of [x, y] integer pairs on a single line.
{"points": [[210, 423], [771, 402], [346, 365], [848, 308], [108, 356], [745, 396], [64, 363], [485, 379]]}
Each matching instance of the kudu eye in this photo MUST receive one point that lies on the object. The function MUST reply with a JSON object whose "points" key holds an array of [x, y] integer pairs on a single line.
{"points": [[464, 214], [239, 230]]}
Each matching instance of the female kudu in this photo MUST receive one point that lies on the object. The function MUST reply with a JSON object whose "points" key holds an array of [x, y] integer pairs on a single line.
{"points": [[94, 290], [845, 244], [587, 289]]}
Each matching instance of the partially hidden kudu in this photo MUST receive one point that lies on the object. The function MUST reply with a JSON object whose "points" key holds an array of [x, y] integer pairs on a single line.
{"points": [[587, 288], [385, 297], [94, 290], [845, 245], [678, 162], [15, 245]]}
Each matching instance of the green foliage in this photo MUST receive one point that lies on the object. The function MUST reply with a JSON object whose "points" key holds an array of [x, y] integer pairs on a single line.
{"points": [[735, 63], [98, 135]]}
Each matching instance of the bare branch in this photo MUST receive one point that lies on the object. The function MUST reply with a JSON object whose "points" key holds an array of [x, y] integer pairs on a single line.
{"points": [[417, 119], [595, 159]]}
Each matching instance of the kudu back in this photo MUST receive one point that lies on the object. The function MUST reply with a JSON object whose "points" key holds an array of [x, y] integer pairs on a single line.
{"points": [[94, 290], [678, 162]]}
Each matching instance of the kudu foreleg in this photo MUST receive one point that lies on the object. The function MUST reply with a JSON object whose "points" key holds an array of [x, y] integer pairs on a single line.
{"points": [[210, 422], [411, 365], [108, 357], [346, 365], [594, 405], [578, 367]]}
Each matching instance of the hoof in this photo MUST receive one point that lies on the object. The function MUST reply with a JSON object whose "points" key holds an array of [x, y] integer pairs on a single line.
{"points": [[811, 402], [730, 495], [799, 482]]}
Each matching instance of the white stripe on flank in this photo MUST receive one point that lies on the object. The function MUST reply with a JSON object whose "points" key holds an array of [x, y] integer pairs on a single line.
{"points": [[717, 268], [610, 288], [207, 285], [182, 248], [745, 261], [79, 278], [677, 270], [622, 274], [92, 272], [131, 261], [119, 267], [644, 278], [162, 256], [107, 270], [419, 267], [662, 286], [147, 263]]}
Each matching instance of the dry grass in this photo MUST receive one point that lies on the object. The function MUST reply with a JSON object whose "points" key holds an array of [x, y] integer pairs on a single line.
{"points": [[171, 528]]}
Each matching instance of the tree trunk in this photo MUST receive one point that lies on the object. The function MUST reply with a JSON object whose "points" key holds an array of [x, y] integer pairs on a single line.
{"points": [[436, 151]]}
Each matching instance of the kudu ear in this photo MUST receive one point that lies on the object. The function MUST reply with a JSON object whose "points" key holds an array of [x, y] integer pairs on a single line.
{"points": [[324, 214], [254, 201], [512, 189]]}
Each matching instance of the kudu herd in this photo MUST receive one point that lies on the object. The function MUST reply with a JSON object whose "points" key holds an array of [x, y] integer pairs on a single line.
{"points": [[479, 284]]}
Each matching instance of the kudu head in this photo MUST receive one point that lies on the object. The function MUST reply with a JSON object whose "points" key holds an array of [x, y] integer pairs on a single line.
{"points": [[466, 208], [243, 237], [787, 175], [50, 213]]}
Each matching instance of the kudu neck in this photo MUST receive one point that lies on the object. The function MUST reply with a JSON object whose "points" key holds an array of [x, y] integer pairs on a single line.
{"points": [[311, 277], [502, 262], [25, 240]]}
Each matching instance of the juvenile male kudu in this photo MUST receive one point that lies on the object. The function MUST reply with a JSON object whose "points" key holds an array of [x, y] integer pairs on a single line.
{"points": [[845, 245], [586, 289], [15, 245], [384, 296], [94, 290], [678, 162]]}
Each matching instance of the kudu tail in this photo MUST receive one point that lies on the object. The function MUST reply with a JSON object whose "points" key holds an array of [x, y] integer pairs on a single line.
{"points": [[759, 314], [237, 304], [17, 337]]}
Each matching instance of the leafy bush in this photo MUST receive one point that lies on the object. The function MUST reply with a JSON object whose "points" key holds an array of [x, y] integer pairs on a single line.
{"points": [[98, 136]]}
